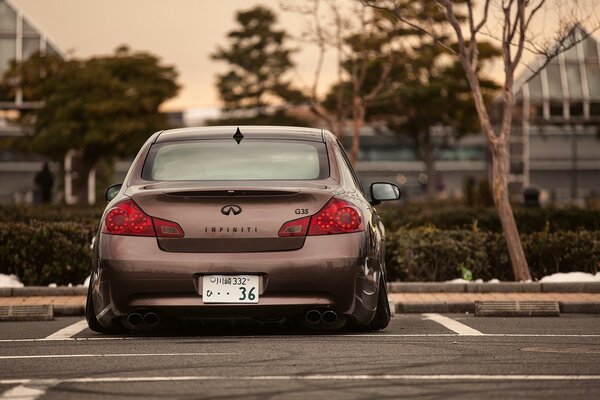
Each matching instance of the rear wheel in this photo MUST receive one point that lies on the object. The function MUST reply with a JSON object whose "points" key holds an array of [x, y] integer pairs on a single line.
{"points": [[383, 313], [90, 316]]}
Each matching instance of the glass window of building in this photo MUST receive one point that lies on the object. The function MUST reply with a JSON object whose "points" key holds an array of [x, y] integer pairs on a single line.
{"points": [[8, 18], [574, 81], [554, 83], [590, 50], [593, 75], [7, 53], [31, 45]]}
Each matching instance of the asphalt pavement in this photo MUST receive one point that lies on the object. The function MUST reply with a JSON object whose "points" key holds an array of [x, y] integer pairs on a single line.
{"points": [[431, 356]]}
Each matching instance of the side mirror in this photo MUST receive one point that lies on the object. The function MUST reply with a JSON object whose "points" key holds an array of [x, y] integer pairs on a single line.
{"points": [[383, 191], [112, 191]]}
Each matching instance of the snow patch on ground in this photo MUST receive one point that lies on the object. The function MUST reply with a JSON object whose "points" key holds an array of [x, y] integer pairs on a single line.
{"points": [[461, 280], [571, 277], [558, 277], [9, 281]]}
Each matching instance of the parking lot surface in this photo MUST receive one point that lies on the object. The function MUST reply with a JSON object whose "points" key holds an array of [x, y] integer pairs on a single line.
{"points": [[418, 355]]}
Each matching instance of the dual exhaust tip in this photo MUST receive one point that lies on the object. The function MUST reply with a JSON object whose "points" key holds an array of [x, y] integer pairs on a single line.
{"points": [[136, 319], [313, 317], [151, 319]]}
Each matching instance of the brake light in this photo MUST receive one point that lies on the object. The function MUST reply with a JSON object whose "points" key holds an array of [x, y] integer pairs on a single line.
{"points": [[127, 218], [337, 216]]}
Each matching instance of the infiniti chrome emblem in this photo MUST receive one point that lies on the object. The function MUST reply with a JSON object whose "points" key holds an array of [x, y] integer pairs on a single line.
{"points": [[232, 208]]}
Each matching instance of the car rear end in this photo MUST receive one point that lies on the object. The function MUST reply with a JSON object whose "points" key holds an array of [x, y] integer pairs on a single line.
{"points": [[207, 226]]}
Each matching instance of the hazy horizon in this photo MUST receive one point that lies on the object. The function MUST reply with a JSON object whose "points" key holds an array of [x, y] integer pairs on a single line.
{"points": [[181, 32]]}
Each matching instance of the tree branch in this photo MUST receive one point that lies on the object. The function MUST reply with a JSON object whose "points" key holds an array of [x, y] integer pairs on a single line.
{"points": [[398, 15], [465, 58]]}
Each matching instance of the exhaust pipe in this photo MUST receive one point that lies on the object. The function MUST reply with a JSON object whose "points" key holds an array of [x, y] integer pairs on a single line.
{"points": [[313, 317], [135, 319], [329, 317], [151, 319]]}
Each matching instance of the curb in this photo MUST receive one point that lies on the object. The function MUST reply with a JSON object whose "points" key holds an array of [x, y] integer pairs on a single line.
{"points": [[461, 307], [393, 287], [400, 308], [68, 310], [28, 291], [458, 307], [502, 287]]}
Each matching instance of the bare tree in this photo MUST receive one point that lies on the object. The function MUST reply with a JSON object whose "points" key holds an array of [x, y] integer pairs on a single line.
{"points": [[356, 36], [326, 27], [372, 43], [514, 18]]}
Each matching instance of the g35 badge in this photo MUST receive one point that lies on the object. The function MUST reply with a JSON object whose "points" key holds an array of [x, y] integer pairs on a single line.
{"points": [[301, 211]]}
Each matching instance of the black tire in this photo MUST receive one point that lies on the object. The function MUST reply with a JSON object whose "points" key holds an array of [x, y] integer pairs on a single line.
{"points": [[383, 313], [90, 316]]}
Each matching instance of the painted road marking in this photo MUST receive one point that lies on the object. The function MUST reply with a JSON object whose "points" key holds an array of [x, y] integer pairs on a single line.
{"points": [[453, 325], [115, 355], [318, 377], [322, 337], [29, 391], [69, 331]]}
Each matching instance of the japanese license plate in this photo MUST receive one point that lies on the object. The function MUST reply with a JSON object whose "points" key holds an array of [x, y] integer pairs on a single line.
{"points": [[230, 288]]}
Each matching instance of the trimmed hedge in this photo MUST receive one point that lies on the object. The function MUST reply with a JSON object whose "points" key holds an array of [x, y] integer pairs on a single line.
{"points": [[41, 252], [422, 245], [50, 213], [459, 217], [431, 254]]}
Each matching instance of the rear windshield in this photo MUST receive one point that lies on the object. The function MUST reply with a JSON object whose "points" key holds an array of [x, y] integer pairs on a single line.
{"points": [[216, 160]]}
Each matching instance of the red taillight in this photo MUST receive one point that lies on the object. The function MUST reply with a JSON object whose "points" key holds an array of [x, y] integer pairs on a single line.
{"points": [[126, 218], [338, 216]]}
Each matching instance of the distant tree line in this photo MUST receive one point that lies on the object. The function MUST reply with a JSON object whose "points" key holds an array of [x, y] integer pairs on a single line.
{"points": [[103, 107]]}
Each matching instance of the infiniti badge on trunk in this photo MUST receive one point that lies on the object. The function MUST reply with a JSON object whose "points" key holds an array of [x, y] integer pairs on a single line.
{"points": [[232, 208]]}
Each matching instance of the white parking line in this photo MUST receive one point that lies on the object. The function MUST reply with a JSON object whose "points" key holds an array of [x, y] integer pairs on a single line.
{"points": [[453, 325], [317, 377], [295, 337], [69, 331], [29, 391], [114, 355]]}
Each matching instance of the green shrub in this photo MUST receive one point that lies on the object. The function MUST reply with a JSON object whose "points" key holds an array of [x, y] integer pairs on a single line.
{"points": [[431, 254], [458, 217], [41, 252], [551, 252], [428, 245], [50, 213]]}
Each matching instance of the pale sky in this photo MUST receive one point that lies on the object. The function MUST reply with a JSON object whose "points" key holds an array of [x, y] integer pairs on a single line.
{"points": [[181, 32]]}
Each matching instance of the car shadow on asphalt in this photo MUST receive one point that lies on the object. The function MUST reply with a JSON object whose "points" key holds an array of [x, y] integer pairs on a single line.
{"points": [[233, 327]]}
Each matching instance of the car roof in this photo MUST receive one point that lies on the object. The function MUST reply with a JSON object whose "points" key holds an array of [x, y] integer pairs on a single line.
{"points": [[248, 131]]}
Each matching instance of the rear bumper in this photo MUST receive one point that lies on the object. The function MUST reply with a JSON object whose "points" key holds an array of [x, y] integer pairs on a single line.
{"points": [[329, 271]]}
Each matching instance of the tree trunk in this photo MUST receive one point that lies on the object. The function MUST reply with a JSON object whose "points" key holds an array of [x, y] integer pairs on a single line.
{"points": [[430, 171], [358, 114], [78, 173], [505, 212]]}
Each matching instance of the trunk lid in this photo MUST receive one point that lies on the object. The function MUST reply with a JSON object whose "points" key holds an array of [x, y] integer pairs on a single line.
{"points": [[232, 217]]}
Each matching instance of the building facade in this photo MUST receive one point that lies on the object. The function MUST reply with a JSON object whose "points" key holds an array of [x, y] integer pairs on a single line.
{"points": [[20, 37], [556, 137], [555, 140]]}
